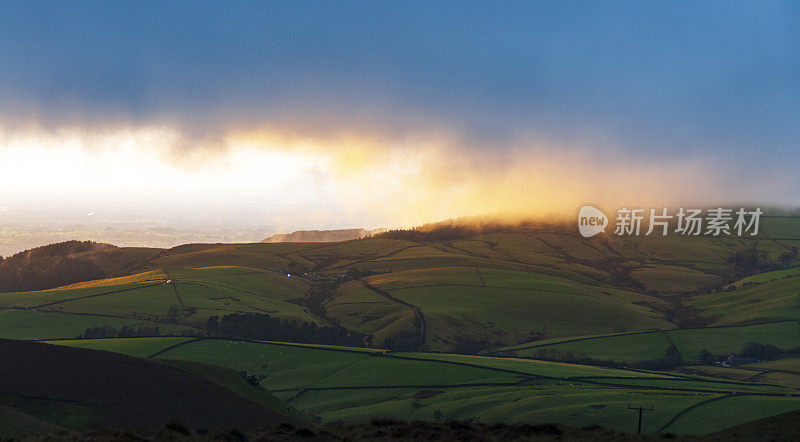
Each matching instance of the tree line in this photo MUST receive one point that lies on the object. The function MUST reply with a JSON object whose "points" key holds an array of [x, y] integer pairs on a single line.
{"points": [[456, 229], [257, 326], [49, 266]]}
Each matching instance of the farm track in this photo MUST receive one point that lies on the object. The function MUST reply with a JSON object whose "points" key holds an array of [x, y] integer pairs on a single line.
{"points": [[423, 328], [166, 349], [690, 408]]}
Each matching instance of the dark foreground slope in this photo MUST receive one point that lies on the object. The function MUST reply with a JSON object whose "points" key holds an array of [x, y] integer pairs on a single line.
{"points": [[785, 427], [45, 385]]}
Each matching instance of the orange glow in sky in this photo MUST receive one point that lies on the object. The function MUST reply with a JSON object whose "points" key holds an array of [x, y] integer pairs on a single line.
{"points": [[336, 180]]}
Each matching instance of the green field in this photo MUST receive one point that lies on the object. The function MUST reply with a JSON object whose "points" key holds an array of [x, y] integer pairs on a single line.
{"points": [[534, 327], [36, 325], [357, 384], [139, 347], [358, 308], [503, 306], [767, 297], [629, 348], [145, 299], [788, 364], [673, 279]]}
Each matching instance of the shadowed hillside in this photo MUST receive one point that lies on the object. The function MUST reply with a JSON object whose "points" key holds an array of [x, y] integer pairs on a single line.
{"points": [[784, 427], [80, 388], [67, 262], [481, 323]]}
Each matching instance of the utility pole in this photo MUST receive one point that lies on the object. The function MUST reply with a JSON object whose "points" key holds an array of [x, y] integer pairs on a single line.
{"points": [[640, 409]]}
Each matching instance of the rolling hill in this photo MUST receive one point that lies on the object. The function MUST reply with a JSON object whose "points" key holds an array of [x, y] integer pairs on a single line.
{"points": [[523, 323], [47, 387], [341, 383]]}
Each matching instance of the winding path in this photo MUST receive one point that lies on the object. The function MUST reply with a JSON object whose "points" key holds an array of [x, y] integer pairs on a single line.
{"points": [[423, 327]]}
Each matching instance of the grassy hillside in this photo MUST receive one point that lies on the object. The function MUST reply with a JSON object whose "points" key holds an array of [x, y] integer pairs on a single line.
{"points": [[569, 330], [36, 325], [46, 386], [175, 301], [493, 307], [763, 297], [643, 346], [358, 384], [488, 289]]}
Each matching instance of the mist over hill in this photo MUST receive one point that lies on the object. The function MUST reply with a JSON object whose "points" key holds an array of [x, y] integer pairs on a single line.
{"points": [[322, 235]]}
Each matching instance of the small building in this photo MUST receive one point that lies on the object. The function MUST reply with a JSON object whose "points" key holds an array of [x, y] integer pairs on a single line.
{"points": [[734, 360]]}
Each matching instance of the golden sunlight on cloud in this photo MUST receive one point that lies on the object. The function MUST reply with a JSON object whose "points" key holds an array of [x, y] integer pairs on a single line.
{"points": [[334, 180]]}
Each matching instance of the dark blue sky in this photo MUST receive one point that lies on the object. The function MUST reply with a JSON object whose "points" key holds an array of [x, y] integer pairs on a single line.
{"points": [[661, 79]]}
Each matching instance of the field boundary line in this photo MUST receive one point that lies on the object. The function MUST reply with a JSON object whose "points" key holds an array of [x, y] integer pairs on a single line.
{"points": [[609, 385], [422, 286], [105, 337], [385, 387], [417, 311], [692, 407], [94, 296], [568, 340], [751, 378], [174, 288], [480, 277], [520, 383], [206, 283], [373, 258], [174, 346], [339, 370], [366, 351], [678, 379]]}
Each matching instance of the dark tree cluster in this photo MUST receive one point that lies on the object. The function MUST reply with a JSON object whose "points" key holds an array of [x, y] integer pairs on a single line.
{"points": [[786, 259], [264, 327], [49, 266], [763, 352], [755, 350], [567, 356], [251, 379], [749, 261], [672, 359], [406, 340], [466, 344], [356, 273], [455, 229]]}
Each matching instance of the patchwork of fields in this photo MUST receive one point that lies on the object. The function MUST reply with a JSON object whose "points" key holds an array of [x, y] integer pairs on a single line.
{"points": [[338, 383], [508, 326]]}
